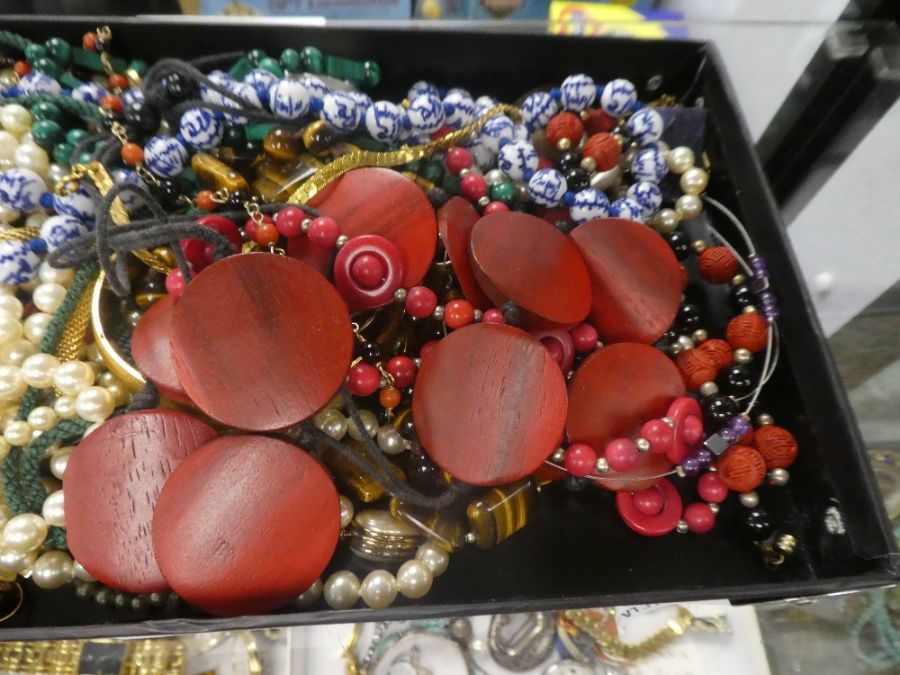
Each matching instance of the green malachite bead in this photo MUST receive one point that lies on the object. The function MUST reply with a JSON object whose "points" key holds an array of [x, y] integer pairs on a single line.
{"points": [[84, 158], [290, 60], [62, 153], [434, 172], [47, 133], [91, 60], [69, 81], [75, 136], [46, 110], [504, 192], [313, 61], [139, 66], [272, 66], [60, 51], [34, 51], [240, 68], [256, 55], [345, 69], [257, 132], [373, 74], [47, 65], [451, 183], [415, 166]]}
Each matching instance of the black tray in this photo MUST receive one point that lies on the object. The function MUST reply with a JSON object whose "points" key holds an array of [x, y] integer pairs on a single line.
{"points": [[576, 551]]}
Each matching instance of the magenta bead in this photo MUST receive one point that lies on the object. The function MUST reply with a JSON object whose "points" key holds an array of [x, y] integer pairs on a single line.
{"points": [[692, 432], [289, 221], [323, 232], [711, 488], [363, 379], [473, 186], [584, 337], [621, 454], [458, 159], [699, 517], [420, 302], [649, 501], [368, 270], [175, 283], [658, 434], [495, 207], [493, 315], [580, 459]]}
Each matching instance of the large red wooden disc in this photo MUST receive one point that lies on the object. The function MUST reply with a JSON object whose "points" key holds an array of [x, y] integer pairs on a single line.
{"points": [[489, 404], [613, 392], [455, 221], [260, 341], [378, 201], [245, 524], [525, 259], [150, 348], [111, 485], [635, 279]]}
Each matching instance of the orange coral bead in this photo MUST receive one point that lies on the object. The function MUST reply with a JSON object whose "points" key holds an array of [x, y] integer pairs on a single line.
{"points": [[205, 200], [696, 367], [117, 81], [389, 397], [720, 349], [748, 331], [741, 468], [777, 445], [22, 68], [717, 264], [132, 154], [603, 149], [458, 313], [111, 102], [266, 234], [564, 125], [89, 41]]}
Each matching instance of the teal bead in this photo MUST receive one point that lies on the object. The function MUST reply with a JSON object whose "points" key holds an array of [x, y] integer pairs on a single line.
{"points": [[84, 158], [59, 50], [415, 166], [256, 55], [503, 192], [46, 110], [373, 74], [451, 183], [290, 59], [48, 66], [75, 136], [62, 153], [313, 61], [139, 66], [34, 51], [272, 66], [434, 173], [47, 133]]}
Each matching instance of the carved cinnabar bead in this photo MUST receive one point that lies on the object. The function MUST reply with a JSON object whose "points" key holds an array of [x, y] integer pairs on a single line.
{"points": [[696, 367], [748, 331], [455, 221], [603, 149], [777, 445], [564, 125], [741, 468], [717, 264], [719, 349]]}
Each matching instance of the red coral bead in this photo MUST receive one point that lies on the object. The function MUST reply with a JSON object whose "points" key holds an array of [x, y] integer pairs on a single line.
{"points": [[580, 459], [584, 337], [717, 264], [266, 233], [89, 41], [493, 315], [473, 186], [22, 68], [458, 159], [711, 488], [132, 154], [495, 207], [748, 331], [621, 454], [194, 250], [564, 125], [224, 226], [420, 302], [363, 379], [324, 232], [458, 313], [205, 200], [659, 435], [289, 221], [117, 81], [389, 398], [402, 369], [603, 149], [699, 517]]}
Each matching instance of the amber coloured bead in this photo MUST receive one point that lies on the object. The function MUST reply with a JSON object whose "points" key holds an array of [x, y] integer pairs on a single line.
{"points": [[501, 512], [318, 137], [215, 174], [442, 527], [282, 144]]}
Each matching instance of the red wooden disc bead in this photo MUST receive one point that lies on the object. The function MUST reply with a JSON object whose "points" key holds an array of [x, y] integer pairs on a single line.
{"points": [[777, 446], [717, 264], [564, 125], [603, 149], [748, 331]]}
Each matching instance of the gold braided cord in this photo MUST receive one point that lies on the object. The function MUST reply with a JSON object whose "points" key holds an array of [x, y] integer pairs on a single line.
{"points": [[76, 327], [19, 233], [364, 158], [616, 648]]}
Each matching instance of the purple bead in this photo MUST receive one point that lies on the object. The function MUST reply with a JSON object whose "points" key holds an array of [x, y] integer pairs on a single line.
{"points": [[704, 456], [740, 425], [691, 466], [728, 434], [757, 264]]}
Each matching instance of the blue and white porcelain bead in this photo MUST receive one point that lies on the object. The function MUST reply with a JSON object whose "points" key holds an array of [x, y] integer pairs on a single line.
{"points": [[517, 158], [165, 156], [78, 204], [131, 96], [289, 99], [588, 205], [577, 92], [247, 93], [130, 200], [645, 126], [497, 131], [422, 88], [314, 86], [89, 92], [628, 209], [57, 230], [650, 165], [617, 98], [363, 101], [521, 133], [459, 108], [547, 187], [538, 108], [384, 121], [18, 263], [40, 83], [262, 82], [340, 111], [648, 195], [200, 128], [425, 113], [483, 104], [21, 190], [221, 78]]}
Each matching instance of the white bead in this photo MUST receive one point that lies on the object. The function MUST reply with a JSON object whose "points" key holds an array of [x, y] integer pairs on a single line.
{"points": [[52, 570], [8, 145], [379, 589], [342, 590], [15, 119], [370, 422], [666, 221], [11, 305], [332, 422], [18, 432], [12, 383], [33, 157], [390, 441], [43, 418], [36, 326], [688, 206], [39, 369], [48, 297], [384, 121], [16, 561], [64, 406], [414, 579], [120, 394], [72, 377], [346, 511], [55, 174], [434, 556], [289, 99], [11, 329], [749, 499], [694, 181], [15, 353], [94, 404], [59, 460], [25, 532], [54, 511]]}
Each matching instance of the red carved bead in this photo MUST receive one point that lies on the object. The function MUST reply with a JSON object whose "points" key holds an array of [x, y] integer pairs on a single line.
{"points": [[420, 302], [564, 125], [696, 367], [777, 446], [580, 459], [741, 468], [711, 488], [748, 331], [719, 349], [699, 517], [363, 379], [458, 313], [717, 264], [402, 369], [603, 149], [597, 120]]}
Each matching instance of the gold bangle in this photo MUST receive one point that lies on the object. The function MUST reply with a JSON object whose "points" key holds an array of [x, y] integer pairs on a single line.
{"points": [[117, 364]]}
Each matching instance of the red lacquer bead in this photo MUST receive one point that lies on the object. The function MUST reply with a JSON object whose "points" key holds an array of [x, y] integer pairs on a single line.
{"points": [[402, 369], [458, 313], [473, 186], [363, 379], [699, 517], [564, 125], [621, 454], [597, 120], [584, 337], [323, 232], [720, 350], [175, 283], [696, 367], [603, 149], [748, 331], [493, 315], [777, 445], [289, 221], [420, 302], [495, 207], [711, 488], [580, 459], [458, 159], [658, 524], [717, 264], [367, 271], [741, 468]]}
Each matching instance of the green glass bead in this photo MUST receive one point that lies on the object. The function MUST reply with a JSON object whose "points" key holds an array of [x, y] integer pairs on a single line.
{"points": [[139, 66], [434, 172], [272, 66], [313, 61], [290, 59], [47, 133], [240, 69], [75, 136], [414, 166], [60, 51], [373, 74], [256, 55], [504, 192], [451, 183], [62, 153], [34, 51], [46, 110], [48, 66], [84, 158]]}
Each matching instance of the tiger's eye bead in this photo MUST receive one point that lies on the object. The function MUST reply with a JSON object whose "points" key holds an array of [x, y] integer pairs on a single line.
{"points": [[318, 137], [282, 144], [502, 512]]}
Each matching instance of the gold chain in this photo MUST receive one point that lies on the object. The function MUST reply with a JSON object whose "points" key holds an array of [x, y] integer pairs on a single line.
{"points": [[76, 327], [616, 648], [19, 233], [364, 158]]}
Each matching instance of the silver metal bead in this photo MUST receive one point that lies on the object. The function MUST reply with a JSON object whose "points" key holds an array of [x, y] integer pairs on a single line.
{"points": [[699, 335], [643, 445], [682, 527], [400, 295], [418, 362], [602, 466], [484, 201], [477, 315], [494, 177], [699, 245], [738, 279], [559, 455], [709, 389], [786, 543], [779, 477], [464, 172], [764, 420], [304, 225], [685, 342], [675, 349], [714, 507], [749, 309], [742, 355], [343, 239], [749, 499], [439, 312], [471, 538]]}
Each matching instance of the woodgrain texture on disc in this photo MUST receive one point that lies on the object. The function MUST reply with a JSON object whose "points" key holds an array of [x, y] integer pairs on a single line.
{"points": [[111, 485], [613, 393], [455, 221], [489, 404], [151, 352], [635, 279], [260, 341], [525, 259], [383, 202], [245, 525]]}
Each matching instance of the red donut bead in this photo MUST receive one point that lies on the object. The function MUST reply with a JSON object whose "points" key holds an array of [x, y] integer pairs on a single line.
{"points": [[711, 488], [289, 221], [699, 517], [420, 302], [363, 379], [584, 337], [323, 232], [603, 149], [717, 264], [458, 313], [559, 343], [580, 459], [748, 331], [564, 125], [367, 271], [662, 522], [402, 369], [621, 454], [473, 186], [458, 159]]}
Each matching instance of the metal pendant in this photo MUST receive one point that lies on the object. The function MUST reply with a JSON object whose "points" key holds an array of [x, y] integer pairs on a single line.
{"points": [[520, 642]]}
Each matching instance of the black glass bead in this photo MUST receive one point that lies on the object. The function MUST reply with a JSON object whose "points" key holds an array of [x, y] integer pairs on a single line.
{"points": [[511, 313], [717, 410], [736, 379], [689, 316], [237, 199], [178, 88], [438, 197], [370, 352], [563, 226], [234, 136], [423, 474], [407, 428], [740, 297], [576, 483], [167, 192], [577, 179], [569, 160], [680, 243], [142, 117], [758, 524]]}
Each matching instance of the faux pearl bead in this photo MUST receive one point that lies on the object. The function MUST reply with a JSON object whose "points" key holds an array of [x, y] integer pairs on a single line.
{"points": [[10, 329], [30, 156], [39, 369], [53, 510], [18, 433], [14, 560], [680, 159], [72, 377], [11, 305], [55, 173], [694, 181], [25, 532], [8, 145], [379, 589], [48, 297], [15, 119], [414, 579], [16, 353], [370, 422], [342, 590], [52, 570], [390, 441], [80, 573], [51, 275], [749, 499], [688, 207], [346, 511], [94, 404], [36, 326], [666, 221], [59, 460], [310, 596], [12, 384], [434, 556], [64, 406], [119, 393], [332, 422]]}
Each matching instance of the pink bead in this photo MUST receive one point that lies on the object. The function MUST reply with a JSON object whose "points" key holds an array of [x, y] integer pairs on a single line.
{"points": [[699, 517], [420, 302], [649, 501], [584, 337], [363, 379], [426, 349], [289, 221], [621, 454], [458, 159], [493, 315], [323, 232], [402, 369], [495, 207], [658, 434], [580, 459], [473, 186], [175, 283], [711, 488], [692, 433], [368, 270]]}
